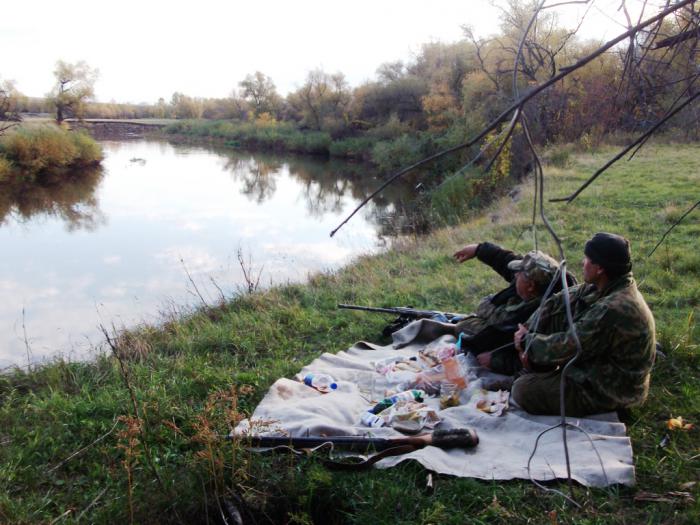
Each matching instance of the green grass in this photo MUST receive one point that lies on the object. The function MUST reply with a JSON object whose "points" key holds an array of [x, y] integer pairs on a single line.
{"points": [[195, 376]]}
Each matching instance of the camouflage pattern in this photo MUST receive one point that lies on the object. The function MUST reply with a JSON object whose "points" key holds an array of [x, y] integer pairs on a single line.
{"points": [[497, 316], [617, 335], [537, 266]]}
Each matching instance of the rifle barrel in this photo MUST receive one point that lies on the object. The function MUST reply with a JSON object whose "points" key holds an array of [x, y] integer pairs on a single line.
{"points": [[355, 443], [370, 308]]}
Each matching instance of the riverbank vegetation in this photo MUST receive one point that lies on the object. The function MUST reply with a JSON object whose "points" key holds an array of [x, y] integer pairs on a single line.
{"points": [[33, 153], [446, 93], [134, 435]]}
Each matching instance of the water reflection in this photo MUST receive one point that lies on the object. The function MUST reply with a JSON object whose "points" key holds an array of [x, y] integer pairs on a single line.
{"points": [[325, 183], [108, 246], [69, 198]]}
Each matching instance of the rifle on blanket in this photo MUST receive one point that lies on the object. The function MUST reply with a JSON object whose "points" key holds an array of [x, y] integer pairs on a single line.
{"points": [[445, 439], [406, 315]]}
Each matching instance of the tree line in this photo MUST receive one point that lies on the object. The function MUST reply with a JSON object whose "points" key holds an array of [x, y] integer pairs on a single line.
{"points": [[447, 90]]}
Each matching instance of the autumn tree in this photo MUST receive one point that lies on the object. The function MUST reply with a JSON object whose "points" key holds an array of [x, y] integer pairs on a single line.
{"points": [[259, 91], [74, 87], [9, 110], [185, 107], [323, 101], [396, 95]]}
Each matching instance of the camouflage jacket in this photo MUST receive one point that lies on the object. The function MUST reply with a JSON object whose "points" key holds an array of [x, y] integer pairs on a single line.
{"points": [[497, 316], [617, 335]]}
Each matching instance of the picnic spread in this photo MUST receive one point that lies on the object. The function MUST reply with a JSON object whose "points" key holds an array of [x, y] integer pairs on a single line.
{"points": [[421, 383]]}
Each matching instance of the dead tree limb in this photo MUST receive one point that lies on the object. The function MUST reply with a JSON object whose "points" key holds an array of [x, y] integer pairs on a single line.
{"points": [[672, 227], [622, 153]]}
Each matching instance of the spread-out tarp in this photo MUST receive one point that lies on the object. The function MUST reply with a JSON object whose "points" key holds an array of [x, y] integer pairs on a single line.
{"points": [[506, 441]]}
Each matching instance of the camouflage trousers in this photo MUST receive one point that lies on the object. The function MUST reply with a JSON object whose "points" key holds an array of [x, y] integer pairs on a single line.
{"points": [[538, 393]]}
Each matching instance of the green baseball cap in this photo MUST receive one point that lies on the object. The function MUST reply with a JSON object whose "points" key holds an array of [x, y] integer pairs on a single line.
{"points": [[537, 266]]}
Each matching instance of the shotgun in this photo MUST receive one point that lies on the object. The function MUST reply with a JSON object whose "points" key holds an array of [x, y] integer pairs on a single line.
{"points": [[445, 439]]}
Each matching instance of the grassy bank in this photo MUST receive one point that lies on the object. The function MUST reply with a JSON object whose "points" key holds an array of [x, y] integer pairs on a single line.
{"points": [[134, 438], [31, 152], [388, 147]]}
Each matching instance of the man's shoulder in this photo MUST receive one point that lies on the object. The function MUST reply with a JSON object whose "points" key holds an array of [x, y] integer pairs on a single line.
{"points": [[626, 301]]}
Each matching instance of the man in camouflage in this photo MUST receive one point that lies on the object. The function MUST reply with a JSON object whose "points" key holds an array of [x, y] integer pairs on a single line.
{"points": [[498, 315], [616, 331]]}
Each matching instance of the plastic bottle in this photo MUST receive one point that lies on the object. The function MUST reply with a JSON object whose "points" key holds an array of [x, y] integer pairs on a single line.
{"points": [[408, 395], [372, 420], [321, 382], [453, 372]]}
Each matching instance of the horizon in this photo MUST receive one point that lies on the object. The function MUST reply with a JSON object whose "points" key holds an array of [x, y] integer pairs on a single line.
{"points": [[207, 64]]}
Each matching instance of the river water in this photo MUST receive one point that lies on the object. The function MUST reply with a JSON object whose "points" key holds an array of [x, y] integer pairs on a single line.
{"points": [[160, 224]]}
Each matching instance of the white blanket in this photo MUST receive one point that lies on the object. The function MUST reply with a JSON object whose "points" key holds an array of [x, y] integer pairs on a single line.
{"points": [[506, 441]]}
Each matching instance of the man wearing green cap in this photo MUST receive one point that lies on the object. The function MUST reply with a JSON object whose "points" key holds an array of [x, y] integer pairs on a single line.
{"points": [[616, 331], [497, 316]]}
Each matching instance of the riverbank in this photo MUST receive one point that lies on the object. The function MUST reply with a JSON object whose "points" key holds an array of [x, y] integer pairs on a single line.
{"points": [[132, 437]]}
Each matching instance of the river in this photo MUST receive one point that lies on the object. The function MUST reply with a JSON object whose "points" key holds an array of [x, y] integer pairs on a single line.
{"points": [[158, 226]]}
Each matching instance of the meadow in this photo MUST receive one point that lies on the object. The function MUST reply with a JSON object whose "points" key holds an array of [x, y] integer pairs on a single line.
{"points": [[135, 435]]}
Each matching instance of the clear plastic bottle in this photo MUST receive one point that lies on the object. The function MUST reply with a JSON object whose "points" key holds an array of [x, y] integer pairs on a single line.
{"points": [[372, 420], [321, 382], [453, 372]]}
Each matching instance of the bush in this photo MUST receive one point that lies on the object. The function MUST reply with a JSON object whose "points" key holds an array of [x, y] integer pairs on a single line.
{"points": [[49, 149], [5, 169], [353, 147]]}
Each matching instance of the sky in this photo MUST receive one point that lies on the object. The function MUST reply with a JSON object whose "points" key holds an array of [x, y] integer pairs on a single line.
{"points": [[148, 49]]}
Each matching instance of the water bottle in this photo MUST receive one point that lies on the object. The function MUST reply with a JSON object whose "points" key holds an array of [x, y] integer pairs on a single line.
{"points": [[454, 372], [321, 382], [372, 420], [408, 395]]}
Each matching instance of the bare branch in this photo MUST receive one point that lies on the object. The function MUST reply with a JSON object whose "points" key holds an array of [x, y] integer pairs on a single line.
{"points": [[622, 153], [673, 226]]}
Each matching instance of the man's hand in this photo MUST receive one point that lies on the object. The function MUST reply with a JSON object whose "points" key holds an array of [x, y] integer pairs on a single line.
{"points": [[466, 253], [484, 359], [519, 336], [518, 339]]}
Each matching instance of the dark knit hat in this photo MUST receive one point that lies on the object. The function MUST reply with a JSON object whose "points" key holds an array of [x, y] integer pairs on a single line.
{"points": [[610, 251]]}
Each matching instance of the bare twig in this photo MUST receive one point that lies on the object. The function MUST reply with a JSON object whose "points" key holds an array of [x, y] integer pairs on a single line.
{"points": [[252, 281], [92, 504], [216, 285], [194, 285], [77, 453], [59, 518], [672, 227], [26, 342], [622, 153]]}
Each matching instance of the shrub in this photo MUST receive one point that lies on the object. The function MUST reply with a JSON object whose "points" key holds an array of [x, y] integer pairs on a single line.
{"points": [[5, 169], [49, 149], [353, 147], [89, 151]]}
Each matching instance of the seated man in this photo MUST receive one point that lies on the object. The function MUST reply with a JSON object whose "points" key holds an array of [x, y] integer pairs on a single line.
{"points": [[616, 331], [497, 316]]}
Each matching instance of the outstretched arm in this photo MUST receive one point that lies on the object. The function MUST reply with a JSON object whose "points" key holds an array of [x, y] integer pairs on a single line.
{"points": [[466, 253]]}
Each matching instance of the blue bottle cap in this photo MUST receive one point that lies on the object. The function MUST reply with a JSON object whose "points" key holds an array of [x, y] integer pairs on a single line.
{"points": [[334, 386], [308, 378]]}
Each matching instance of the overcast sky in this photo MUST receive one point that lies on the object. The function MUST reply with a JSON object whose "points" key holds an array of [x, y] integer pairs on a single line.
{"points": [[148, 49]]}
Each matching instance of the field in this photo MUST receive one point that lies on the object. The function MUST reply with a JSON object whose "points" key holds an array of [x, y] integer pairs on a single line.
{"points": [[134, 435]]}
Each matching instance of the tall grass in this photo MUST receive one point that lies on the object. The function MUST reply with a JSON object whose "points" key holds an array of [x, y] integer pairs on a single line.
{"points": [[135, 437], [39, 150]]}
